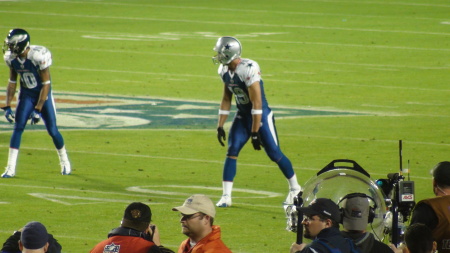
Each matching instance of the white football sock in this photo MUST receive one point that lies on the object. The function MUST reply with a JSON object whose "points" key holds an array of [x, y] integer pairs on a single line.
{"points": [[62, 154], [227, 187], [293, 183], [12, 157]]}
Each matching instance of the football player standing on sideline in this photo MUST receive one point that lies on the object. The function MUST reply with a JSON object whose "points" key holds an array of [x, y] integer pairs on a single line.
{"points": [[254, 119], [35, 99]]}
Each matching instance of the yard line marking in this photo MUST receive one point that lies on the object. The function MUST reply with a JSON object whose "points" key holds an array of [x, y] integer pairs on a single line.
{"points": [[274, 80], [264, 11], [224, 23], [56, 198], [371, 65], [221, 162], [378, 3]]}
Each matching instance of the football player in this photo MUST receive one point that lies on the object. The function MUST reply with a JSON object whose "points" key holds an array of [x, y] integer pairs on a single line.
{"points": [[35, 100], [253, 119]]}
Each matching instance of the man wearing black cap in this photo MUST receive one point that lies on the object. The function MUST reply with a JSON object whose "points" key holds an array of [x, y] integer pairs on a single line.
{"points": [[434, 212], [34, 238], [321, 224], [134, 234], [11, 245]]}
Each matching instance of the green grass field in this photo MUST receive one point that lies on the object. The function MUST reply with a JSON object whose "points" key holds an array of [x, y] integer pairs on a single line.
{"points": [[347, 80]]}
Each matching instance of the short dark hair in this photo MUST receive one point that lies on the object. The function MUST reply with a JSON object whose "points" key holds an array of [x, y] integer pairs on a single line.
{"points": [[324, 218], [441, 174], [419, 238]]}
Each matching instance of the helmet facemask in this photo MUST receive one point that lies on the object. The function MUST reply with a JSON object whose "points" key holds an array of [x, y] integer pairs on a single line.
{"points": [[228, 49]]}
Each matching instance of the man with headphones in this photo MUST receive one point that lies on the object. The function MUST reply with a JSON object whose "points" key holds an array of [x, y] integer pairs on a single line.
{"points": [[356, 215]]}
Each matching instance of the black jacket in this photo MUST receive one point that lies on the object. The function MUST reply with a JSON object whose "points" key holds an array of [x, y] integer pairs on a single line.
{"points": [[367, 243], [12, 244], [333, 237]]}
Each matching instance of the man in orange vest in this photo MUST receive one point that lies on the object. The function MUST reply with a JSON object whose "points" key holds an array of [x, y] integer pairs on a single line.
{"points": [[197, 218], [435, 212]]}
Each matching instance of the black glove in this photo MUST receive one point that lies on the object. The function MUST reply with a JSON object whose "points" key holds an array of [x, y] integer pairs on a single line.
{"points": [[256, 141], [221, 135]]}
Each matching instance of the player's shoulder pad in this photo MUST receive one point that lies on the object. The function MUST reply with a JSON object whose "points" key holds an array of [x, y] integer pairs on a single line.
{"points": [[222, 69], [8, 57], [41, 56]]}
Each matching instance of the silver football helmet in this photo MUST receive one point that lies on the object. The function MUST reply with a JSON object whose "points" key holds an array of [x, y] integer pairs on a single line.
{"points": [[228, 49]]}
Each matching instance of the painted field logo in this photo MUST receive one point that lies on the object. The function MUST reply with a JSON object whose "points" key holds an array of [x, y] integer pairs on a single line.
{"points": [[85, 111]]}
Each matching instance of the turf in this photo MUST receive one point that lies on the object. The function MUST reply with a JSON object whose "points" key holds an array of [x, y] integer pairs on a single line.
{"points": [[382, 63]]}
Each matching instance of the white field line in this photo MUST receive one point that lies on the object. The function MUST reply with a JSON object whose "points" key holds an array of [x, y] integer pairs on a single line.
{"points": [[264, 11], [379, 3], [272, 80], [222, 23], [368, 65], [58, 198], [220, 162]]}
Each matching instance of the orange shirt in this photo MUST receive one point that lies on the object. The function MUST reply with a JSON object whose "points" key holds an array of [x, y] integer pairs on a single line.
{"points": [[209, 244]]}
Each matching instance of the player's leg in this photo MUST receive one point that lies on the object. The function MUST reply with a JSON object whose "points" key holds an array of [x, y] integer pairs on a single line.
{"points": [[24, 108], [49, 118], [237, 138], [269, 139]]}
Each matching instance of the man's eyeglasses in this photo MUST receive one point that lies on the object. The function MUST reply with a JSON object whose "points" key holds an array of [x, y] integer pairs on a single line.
{"points": [[310, 219], [191, 216]]}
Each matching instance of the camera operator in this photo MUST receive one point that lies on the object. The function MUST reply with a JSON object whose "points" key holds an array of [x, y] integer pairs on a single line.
{"points": [[322, 225], [434, 212]]}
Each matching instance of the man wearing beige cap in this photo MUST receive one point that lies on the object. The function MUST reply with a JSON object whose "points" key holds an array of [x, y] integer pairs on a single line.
{"points": [[356, 215], [197, 218]]}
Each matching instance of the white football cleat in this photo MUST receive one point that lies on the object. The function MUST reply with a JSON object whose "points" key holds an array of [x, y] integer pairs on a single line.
{"points": [[65, 168], [225, 201], [10, 171], [291, 195]]}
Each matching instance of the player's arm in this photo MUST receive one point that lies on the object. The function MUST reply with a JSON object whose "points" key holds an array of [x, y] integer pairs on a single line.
{"points": [[255, 97], [11, 88], [45, 78], [10, 92], [225, 106], [254, 91], [224, 111]]}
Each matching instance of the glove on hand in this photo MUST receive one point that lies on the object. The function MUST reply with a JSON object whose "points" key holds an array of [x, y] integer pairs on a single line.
{"points": [[221, 135], [9, 114], [256, 141], [35, 117]]}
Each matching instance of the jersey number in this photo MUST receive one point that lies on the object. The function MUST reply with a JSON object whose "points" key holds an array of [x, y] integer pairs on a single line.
{"points": [[241, 96], [29, 79]]}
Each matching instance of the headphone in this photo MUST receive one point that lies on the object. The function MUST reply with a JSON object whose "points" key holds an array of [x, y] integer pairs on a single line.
{"points": [[360, 195]]}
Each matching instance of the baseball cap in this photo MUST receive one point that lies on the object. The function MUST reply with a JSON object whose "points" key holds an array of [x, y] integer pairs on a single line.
{"points": [[34, 235], [197, 203], [137, 216], [441, 173], [324, 207], [356, 213]]}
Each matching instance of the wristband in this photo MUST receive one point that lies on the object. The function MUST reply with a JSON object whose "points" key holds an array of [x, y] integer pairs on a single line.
{"points": [[11, 81], [254, 111], [223, 112], [46, 82]]}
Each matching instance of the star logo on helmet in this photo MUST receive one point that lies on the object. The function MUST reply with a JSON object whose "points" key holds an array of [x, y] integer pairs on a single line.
{"points": [[227, 47], [250, 65]]}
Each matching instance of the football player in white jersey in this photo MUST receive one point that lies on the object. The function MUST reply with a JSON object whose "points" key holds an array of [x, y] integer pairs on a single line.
{"points": [[253, 119], [35, 99]]}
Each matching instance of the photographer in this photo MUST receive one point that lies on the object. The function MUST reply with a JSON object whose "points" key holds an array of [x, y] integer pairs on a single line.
{"points": [[135, 233]]}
